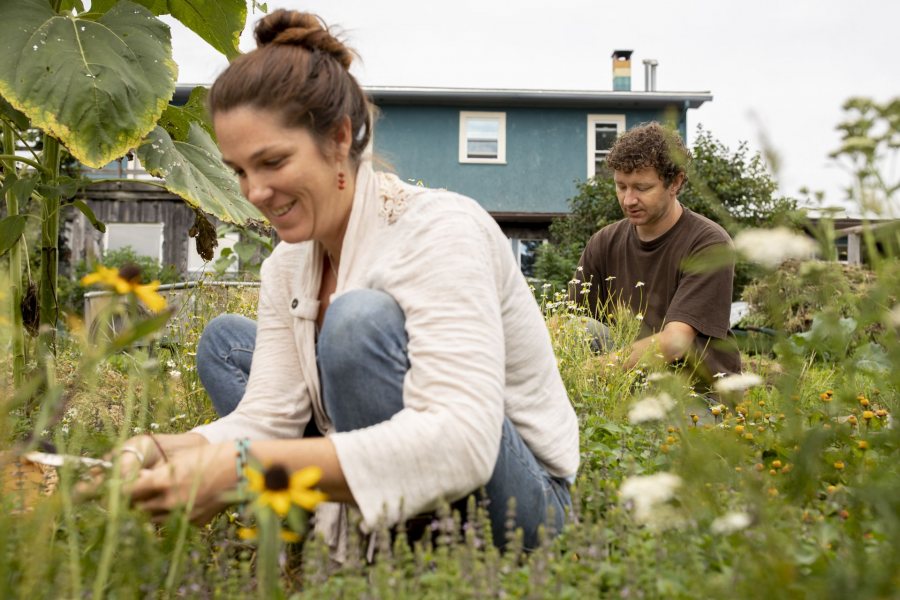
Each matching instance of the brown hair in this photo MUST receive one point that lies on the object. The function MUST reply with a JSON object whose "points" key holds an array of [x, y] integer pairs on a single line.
{"points": [[300, 71], [650, 145]]}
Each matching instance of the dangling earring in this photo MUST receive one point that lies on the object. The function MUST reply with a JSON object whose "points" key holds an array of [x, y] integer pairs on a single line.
{"points": [[341, 182]]}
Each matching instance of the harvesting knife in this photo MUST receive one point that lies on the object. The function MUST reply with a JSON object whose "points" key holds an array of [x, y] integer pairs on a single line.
{"points": [[58, 460]]}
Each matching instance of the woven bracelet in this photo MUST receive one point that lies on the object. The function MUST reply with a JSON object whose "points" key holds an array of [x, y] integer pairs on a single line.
{"points": [[242, 446]]}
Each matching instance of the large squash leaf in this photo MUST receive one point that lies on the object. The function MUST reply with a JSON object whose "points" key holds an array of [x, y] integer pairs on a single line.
{"points": [[193, 169], [219, 22], [96, 85]]}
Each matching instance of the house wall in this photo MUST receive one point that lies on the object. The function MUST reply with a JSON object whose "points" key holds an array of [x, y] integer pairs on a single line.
{"points": [[546, 153]]}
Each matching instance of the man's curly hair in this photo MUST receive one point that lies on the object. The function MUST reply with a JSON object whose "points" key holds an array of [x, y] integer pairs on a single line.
{"points": [[650, 145]]}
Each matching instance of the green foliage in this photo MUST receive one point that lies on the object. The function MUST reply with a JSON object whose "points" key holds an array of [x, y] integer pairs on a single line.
{"points": [[732, 188], [93, 85], [71, 293], [791, 296], [870, 139], [80, 81], [793, 491]]}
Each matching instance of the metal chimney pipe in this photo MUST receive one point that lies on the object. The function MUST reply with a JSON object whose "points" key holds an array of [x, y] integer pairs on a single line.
{"points": [[650, 74]]}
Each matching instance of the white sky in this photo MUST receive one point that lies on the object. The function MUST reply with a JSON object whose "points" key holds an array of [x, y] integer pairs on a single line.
{"points": [[777, 69]]}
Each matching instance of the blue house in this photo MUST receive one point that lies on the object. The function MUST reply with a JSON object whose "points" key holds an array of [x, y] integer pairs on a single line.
{"points": [[520, 153]]}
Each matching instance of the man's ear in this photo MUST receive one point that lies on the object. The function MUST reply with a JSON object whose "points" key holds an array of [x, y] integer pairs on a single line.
{"points": [[677, 183], [342, 139]]}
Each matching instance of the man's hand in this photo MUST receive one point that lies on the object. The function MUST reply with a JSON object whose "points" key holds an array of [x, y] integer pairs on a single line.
{"points": [[672, 343]]}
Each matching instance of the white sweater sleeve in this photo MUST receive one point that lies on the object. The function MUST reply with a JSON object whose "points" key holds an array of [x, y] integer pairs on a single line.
{"points": [[276, 404], [445, 441]]}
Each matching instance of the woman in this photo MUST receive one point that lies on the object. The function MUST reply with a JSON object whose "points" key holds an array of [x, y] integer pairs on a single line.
{"points": [[393, 319]]}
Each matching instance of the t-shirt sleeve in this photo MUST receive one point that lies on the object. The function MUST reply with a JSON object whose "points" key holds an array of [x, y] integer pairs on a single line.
{"points": [[703, 298]]}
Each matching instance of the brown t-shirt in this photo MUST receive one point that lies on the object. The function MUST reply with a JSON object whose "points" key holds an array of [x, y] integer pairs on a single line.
{"points": [[649, 277]]}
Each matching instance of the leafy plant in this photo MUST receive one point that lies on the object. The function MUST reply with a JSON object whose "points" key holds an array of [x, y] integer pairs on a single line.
{"points": [[97, 83]]}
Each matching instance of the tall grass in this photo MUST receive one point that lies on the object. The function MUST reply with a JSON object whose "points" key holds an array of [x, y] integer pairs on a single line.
{"points": [[793, 493]]}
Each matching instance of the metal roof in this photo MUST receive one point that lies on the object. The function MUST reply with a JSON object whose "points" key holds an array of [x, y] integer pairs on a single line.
{"points": [[436, 96], [386, 95]]}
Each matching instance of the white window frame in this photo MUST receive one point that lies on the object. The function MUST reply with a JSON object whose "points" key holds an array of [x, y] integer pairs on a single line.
{"points": [[464, 117], [592, 122], [516, 244], [160, 226]]}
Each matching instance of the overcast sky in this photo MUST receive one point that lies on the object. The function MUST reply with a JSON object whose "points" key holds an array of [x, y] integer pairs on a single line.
{"points": [[776, 69]]}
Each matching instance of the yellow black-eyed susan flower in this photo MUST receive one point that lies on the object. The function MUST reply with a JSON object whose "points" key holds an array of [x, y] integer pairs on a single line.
{"points": [[278, 489], [286, 535], [127, 281]]}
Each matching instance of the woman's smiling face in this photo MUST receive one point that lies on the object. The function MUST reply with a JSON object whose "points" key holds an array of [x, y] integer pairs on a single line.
{"points": [[285, 174]]}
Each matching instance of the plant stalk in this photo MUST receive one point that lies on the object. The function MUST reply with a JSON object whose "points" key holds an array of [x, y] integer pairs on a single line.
{"points": [[15, 268], [49, 305]]}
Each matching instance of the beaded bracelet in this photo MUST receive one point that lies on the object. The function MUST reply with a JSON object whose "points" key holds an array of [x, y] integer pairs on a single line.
{"points": [[242, 445]]}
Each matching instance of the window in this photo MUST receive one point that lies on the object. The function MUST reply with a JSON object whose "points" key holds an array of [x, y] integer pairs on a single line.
{"points": [[602, 133], [525, 252], [146, 239], [482, 137], [195, 263]]}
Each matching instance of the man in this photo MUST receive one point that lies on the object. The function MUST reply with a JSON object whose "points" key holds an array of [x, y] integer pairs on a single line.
{"points": [[640, 261]]}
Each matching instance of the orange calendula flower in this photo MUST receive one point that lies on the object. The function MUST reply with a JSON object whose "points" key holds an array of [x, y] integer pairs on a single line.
{"points": [[127, 281], [279, 490]]}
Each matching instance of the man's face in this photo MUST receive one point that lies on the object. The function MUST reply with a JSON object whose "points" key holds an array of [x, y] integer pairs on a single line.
{"points": [[645, 199]]}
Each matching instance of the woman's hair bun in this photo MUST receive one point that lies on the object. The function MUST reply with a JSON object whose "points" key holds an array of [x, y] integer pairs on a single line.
{"points": [[292, 28]]}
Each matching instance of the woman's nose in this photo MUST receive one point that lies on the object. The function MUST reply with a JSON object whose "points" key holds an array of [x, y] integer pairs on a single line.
{"points": [[258, 191]]}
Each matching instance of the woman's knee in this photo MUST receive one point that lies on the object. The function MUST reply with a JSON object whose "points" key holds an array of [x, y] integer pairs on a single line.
{"points": [[359, 320], [220, 335]]}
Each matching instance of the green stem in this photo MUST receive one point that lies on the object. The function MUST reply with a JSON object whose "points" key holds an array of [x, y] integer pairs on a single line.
{"points": [[21, 159], [15, 268], [49, 307]]}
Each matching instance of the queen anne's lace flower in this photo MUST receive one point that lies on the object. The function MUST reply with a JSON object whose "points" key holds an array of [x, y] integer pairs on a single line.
{"points": [[738, 383], [646, 495], [652, 408], [731, 522], [771, 247]]}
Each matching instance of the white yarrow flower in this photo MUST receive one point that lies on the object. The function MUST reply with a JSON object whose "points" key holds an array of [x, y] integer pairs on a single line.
{"points": [[645, 493], [639, 316], [737, 383], [639, 284], [730, 523], [771, 247], [651, 408]]}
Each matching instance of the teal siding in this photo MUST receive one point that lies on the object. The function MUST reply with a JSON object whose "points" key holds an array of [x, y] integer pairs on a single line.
{"points": [[546, 153]]}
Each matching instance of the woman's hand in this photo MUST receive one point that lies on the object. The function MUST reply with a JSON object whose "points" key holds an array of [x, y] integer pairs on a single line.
{"points": [[195, 478], [140, 452]]}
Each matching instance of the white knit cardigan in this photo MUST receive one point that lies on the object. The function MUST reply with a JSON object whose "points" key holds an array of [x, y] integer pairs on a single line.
{"points": [[478, 349]]}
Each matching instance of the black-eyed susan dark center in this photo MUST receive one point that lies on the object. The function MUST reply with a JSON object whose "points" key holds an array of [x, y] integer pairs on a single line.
{"points": [[131, 273], [277, 478]]}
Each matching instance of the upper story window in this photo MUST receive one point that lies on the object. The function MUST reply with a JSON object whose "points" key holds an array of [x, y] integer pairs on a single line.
{"points": [[602, 133], [482, 137]]}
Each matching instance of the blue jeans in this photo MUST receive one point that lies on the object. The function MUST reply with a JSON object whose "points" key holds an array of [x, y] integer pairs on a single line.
{"points": [[362, 359]]}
